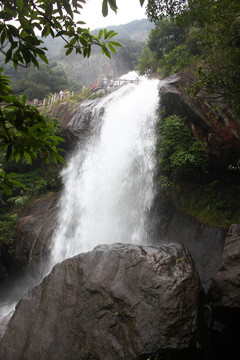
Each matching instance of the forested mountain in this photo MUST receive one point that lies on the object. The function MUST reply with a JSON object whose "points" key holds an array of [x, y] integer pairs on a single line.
{"points": [[135, 30], [74, 71], [86, 70], [132, 36]]}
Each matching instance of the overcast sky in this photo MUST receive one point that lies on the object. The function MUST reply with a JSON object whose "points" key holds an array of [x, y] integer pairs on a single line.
{"points": [[128, 10]]}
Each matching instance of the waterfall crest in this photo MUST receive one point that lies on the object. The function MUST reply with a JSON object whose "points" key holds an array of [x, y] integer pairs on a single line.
{"points": [[108, 185]]}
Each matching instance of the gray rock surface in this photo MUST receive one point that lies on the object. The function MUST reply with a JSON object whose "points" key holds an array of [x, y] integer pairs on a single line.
{"points": [[225, 286], [34, 231], [31, 245], [205, 242], [115, 302]]}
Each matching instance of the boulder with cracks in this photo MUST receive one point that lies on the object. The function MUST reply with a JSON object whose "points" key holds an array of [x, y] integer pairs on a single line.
{"points": [[118, 301]]}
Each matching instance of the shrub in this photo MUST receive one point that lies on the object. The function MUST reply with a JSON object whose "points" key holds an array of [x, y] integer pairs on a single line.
{"points": [[181, 156]]}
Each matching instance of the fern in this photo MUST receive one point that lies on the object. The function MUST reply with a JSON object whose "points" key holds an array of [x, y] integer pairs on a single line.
{"points": [[18, 200]]}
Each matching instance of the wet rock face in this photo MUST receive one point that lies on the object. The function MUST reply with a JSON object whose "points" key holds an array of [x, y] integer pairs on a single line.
{"points": [[116, 302], [77, 120], [224, 293], [211, 122], [34, 231], [225, 286], [205, 242]]}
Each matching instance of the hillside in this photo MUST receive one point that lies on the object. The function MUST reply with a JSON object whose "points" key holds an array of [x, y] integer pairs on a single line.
{"points": [[73, 71], [135, 30], [132, 36]]}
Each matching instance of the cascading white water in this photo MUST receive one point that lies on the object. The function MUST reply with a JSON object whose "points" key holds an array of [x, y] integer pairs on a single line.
{"points": [[109, 183]]}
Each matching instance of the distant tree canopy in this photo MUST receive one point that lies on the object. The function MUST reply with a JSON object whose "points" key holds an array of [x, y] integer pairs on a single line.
{"points": [[165, 37], [159, 9], [24, 132], [39, 82]]}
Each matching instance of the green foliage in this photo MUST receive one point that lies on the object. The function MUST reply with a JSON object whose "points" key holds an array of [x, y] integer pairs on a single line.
{"points": [[158, 9], [165, 37], [97, 95], [7, 228], [218, 72], [39, 83], [37, 182], [54, 18], [18, 200], [7, 182], [166, 42], [213, 201], [23, 130], [31, 181], [174, 61], [208, 195], [84, 94], [146, 61], [211, 44], [10, 170], [194, 41], [212, 33], [180, 155]]}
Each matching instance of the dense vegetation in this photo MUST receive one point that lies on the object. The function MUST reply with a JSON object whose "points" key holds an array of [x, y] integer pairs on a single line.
{"points": [[181, 156], [38, 83], [186, 174], [201, 38], [203, 34]]}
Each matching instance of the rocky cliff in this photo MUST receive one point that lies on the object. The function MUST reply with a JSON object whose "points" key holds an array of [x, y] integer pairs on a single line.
{"points": [[217, 259], [211, 121]]}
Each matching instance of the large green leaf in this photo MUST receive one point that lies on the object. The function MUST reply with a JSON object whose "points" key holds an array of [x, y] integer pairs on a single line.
{"points": [[105, 8]]}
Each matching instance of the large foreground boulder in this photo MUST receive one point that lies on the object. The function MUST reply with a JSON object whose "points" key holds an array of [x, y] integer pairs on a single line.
{"points": [[115, 302]]}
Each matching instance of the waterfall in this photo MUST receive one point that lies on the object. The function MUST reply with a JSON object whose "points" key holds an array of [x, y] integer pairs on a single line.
{"points": [[108, 184]]}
